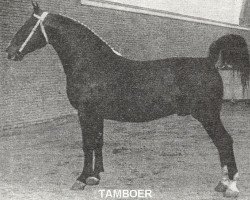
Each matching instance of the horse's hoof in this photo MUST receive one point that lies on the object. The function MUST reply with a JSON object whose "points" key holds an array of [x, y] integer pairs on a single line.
{"points": [[221, 187], [78, 185], [92, 181], [231, 193]]}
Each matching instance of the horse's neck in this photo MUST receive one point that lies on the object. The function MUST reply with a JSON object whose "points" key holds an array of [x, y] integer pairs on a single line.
{"points": [[58, 39], [70, 42]]}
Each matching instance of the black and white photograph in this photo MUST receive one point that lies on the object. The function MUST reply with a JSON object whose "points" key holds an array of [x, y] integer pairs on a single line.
{"points": [[125, 99]]}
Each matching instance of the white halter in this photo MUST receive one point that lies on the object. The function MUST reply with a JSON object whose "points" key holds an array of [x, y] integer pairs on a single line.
{"points": [[40, 21]]}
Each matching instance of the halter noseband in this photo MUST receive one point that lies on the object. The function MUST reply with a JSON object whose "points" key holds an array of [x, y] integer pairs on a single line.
{"points": [[40, 21]]}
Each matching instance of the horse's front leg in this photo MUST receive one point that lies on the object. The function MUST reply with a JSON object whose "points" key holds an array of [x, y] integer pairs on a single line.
{"points": [[98, 166], [98, 161], [92, 136]]}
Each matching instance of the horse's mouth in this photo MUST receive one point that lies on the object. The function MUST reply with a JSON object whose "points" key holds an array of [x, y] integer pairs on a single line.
{"points": [[16, 56]]}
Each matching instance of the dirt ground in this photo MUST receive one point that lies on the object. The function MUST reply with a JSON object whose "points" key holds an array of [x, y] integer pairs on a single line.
{"points": [[172, 156]]}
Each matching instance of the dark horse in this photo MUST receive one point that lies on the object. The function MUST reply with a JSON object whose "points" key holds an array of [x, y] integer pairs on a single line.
{"points": [[104, 85]]}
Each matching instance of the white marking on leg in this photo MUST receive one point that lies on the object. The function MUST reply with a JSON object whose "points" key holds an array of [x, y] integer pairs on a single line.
{"points": [[224, 170], [232, 186], [236, 176], [232, 183], [225, 179]]}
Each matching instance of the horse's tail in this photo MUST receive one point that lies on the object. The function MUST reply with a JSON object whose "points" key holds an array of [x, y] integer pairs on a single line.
{"points": [[233, 51]]}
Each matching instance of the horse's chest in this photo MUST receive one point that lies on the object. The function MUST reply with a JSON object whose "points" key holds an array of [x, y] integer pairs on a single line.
{"points": [[88, 90], [94, 92]]}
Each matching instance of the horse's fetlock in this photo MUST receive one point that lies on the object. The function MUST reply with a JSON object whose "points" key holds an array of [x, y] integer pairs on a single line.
{"points": [[88, 147]]}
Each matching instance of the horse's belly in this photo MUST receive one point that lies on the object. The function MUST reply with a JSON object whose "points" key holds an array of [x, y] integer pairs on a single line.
{"points": [[129, 111]]}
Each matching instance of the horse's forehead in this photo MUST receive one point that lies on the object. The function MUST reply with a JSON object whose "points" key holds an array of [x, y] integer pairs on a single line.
{"points": [[26, 25]]}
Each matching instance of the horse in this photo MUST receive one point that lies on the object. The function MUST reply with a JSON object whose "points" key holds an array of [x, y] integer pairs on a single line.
{"points": [[102, 84]]}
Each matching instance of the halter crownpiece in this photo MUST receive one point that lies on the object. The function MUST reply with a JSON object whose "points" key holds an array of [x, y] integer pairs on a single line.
{"points": [[40, 21], [41, 18]]}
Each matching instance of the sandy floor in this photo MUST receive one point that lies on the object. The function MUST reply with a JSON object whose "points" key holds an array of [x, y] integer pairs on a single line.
{"points": [[173, 157]]}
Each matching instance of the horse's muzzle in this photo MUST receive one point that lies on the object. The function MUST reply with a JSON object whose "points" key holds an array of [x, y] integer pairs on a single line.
{"points": [[14, 55]]}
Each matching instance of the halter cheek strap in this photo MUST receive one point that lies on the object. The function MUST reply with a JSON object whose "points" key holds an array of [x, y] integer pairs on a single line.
{"points": [[40, 21]]}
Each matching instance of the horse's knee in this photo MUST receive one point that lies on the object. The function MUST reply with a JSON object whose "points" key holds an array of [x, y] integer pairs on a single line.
{"points": [[92, 142], [99, 140], [88, 144], [86, 148]]}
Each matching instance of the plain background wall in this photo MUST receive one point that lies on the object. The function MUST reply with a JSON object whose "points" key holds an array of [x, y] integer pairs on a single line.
{"points": [[33, 90]]}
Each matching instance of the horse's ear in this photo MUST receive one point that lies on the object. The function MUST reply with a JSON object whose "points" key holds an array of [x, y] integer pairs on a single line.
{"points": [[35, 6]]}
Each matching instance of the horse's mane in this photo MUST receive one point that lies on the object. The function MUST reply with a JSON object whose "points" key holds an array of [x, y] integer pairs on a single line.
{"points": [[73, 23]]}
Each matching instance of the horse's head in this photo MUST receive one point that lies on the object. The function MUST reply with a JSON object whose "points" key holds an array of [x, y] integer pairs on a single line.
{"points": [[29, 37]]}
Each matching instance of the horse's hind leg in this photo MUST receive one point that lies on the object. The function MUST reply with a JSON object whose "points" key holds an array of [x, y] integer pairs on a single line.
{"points": [[210, 119], [92, 144]]}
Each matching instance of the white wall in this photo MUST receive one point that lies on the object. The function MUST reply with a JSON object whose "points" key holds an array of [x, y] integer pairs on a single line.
{"points": [[218, 10]]}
